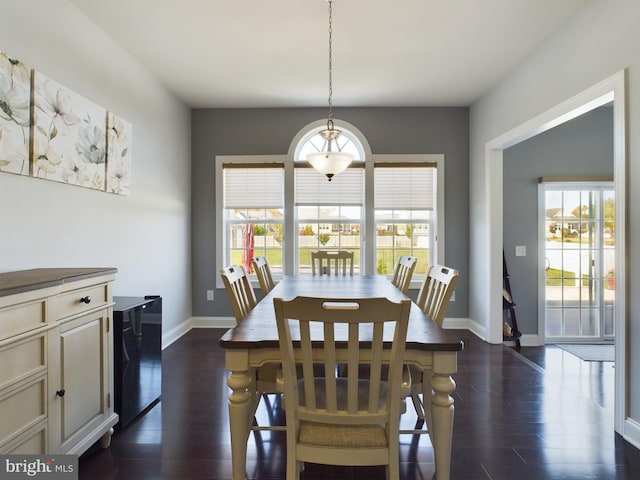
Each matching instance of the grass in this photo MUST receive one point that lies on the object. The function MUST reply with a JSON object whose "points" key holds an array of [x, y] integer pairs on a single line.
{"points": [[558, 278], [385, 261]]}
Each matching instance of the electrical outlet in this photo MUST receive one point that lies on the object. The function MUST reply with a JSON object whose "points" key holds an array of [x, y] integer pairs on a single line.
{"points": [[453, 296], [210, 295], [521, 251]]}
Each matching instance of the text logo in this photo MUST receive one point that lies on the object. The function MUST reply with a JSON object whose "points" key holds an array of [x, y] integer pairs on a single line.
{"points": [[50, 467]]}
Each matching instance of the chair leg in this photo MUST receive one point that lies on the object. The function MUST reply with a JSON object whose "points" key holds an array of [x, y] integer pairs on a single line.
{"points": [[267, 402], [422, 412], [417, 404], [392, 470], [294, 468]]}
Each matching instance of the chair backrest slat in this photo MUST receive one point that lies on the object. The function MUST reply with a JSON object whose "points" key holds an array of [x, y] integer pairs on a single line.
{"points": [[330, 364], [307, 363]]}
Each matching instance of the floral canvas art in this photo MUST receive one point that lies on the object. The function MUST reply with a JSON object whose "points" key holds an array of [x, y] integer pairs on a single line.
{"points": [[118, 155], [48, 131], [15, 119], [69, 136]]}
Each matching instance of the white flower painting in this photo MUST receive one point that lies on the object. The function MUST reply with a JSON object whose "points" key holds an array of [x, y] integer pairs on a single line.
{"points": [[70, 143], [15, 95], [118, 155], [48, 131]]}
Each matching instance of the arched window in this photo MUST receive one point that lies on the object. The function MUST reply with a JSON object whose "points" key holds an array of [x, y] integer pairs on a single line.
{"points": [[328, 215], [311, 142]]}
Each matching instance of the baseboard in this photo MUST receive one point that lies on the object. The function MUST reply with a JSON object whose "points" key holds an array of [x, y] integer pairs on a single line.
{"points": [[531, 340], [213, 322], [176, 332], [456, 323], [466, 324], [632, 433], [195, 322]]}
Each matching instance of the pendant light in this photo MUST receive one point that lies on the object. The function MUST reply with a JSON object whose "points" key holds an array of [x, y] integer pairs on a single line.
{"points": [[330, 162]]}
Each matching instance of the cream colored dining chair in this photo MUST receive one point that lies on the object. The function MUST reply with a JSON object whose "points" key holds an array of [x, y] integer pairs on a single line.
{"points": [[403, 272], [342, 420], [238, 287], [342, 261], [268, 378], [433, 299], [263, 272]]}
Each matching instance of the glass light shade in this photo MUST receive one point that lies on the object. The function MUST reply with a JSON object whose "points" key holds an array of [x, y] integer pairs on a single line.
{"points": [[329, 163]]}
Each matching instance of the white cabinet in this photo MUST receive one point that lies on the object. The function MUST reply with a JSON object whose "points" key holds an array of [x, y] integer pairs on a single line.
{"points": [[56, 360]]}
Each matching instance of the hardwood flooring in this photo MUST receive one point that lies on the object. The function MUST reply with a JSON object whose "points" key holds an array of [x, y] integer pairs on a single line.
{"points": [[540, 415]]}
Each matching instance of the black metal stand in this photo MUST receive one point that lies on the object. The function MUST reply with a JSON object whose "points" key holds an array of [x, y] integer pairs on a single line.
{"points": [[508, 304]]}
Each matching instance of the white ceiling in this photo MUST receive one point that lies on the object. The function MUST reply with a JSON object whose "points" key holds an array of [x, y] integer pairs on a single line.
{"points": [[274, 53]]}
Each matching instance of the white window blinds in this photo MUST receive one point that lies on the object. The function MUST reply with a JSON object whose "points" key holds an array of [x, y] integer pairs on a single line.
{"points": [[313, 188], [404, 187], [253, 186]]}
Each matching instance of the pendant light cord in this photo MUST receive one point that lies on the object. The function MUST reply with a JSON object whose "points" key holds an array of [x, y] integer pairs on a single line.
{"points": [[330, 120]]}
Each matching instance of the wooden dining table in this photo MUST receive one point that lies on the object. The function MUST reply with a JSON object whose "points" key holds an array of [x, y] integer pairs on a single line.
{"points": [[254, 342]]}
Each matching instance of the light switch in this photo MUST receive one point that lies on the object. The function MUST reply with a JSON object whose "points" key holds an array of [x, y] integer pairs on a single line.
{"points": [[521, 251]]}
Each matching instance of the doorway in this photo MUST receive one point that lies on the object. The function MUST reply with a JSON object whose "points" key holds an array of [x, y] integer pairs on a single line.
{"points": [[577, 291], [610, 89]]}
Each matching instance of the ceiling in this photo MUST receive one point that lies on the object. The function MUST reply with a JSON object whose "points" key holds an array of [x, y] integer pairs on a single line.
{"points": [[274, 53]]}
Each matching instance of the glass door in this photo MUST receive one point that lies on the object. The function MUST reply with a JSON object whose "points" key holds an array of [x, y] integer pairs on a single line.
{"points": [[579, 256]]}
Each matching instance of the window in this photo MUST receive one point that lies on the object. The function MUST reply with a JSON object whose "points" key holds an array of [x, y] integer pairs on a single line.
{"points": [[404, 213], [328, 214], [381, 207], [253, 213]]}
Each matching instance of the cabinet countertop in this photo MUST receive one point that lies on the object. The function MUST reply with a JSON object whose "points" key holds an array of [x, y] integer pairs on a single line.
{"points": [[34, 279]]}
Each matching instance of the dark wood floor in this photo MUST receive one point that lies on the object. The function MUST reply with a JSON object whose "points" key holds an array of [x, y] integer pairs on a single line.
{"points": [[541, 415]]}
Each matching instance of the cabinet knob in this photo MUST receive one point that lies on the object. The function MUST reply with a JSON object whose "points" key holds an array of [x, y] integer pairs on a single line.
{"points": [[86, 299], [60, 393]]}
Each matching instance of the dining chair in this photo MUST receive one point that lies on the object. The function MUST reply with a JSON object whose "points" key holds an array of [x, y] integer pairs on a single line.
{"points": [[268, 378], [321, 261], [333, 419], [433, 299], [263, 272], [238, 287], [403, 272]]}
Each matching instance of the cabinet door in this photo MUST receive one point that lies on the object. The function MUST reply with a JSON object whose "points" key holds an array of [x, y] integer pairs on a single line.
{"points": [[82, 393]]}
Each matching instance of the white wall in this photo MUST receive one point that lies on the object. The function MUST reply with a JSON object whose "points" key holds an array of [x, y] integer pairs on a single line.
{"points": [[146, 235], [601, 40]]}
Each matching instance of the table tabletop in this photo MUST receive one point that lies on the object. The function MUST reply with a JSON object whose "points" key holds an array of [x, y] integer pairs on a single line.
{"points": [[259, 330]]}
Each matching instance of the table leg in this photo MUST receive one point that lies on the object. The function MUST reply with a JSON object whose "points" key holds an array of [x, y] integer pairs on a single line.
{"points": [[441, 417], [239, 411]]}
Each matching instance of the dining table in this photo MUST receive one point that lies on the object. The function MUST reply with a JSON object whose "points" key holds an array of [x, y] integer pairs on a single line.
{"points": [[254, 342]]}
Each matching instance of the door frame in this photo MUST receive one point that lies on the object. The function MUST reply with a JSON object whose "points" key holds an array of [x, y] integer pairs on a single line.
{"points": [[611, 89]]}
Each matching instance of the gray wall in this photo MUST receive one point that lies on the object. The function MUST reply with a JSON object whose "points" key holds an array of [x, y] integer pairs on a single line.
{"points": [[146, 235], [270, 131], [583, 147]]}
